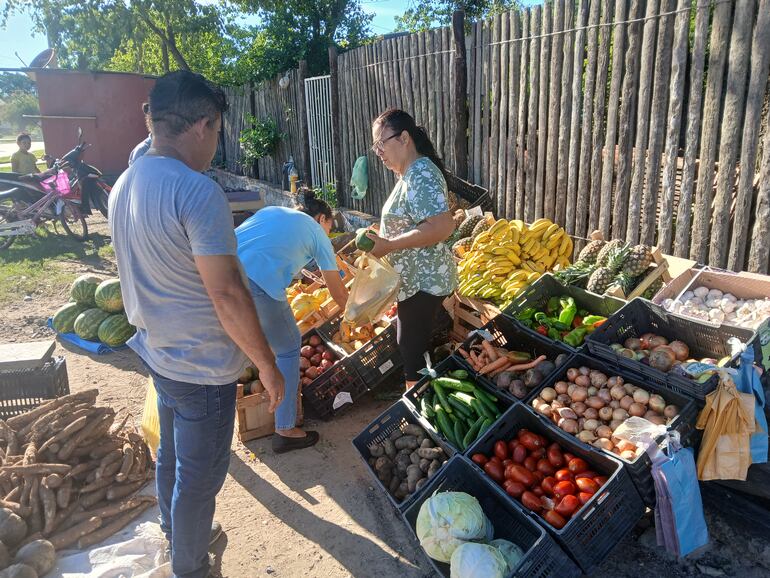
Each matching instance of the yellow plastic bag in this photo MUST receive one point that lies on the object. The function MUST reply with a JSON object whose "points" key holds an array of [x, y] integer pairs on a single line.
{"points": [[150, 419], [373, 291]]}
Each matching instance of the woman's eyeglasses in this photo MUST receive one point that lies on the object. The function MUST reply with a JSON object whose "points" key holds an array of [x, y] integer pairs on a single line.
{"points": [[380, 144]]}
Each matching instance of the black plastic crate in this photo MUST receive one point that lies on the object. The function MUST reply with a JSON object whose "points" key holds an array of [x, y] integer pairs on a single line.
{"points": [[640, 468], [514, 337], [598, 526], [640, 316], [542, 556], [377, 360], [24, 389], [538, 294], [395, 417], [414, 395]]}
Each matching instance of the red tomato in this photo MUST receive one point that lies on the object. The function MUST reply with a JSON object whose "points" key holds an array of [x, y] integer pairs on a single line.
{"points": [[501, 449], [531, 502], [496, 460], [556, 520], [548, 484], [601, 480], [587, 485], [545, 467], [530, 463], [531, 441], [562, 489], [494, 471], [521, 474], [563, 476], [547, 503], [538, 491], [568, 505], [588, 474], [584, 497], [506, 463], [512, 445], [539, 476], [514, 489], [479, 459], [538, 453], [542, 330], [519, 454], [567, 457], [555, 457], [577, 465]]}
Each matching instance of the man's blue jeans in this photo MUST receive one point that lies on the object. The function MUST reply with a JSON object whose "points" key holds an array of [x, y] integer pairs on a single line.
{"points": [[283, 336], [196, 430]]}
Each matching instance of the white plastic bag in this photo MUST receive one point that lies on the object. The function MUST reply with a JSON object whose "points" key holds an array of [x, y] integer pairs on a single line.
{"points": [[374, 290]]}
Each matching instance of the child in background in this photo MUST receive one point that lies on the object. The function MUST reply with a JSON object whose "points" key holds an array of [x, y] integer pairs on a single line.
{"points": [[23, 161]]}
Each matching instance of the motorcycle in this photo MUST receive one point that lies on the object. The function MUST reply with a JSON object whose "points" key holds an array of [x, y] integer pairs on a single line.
{"points": [[65, 193]]}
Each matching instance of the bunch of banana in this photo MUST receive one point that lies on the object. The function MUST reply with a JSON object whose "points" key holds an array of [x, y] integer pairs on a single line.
{"points": [[304, 304], [511, 255]]}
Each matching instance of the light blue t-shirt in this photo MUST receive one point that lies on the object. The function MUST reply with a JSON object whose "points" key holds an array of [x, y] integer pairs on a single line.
{"points": [[161, 213], [275, 244]]}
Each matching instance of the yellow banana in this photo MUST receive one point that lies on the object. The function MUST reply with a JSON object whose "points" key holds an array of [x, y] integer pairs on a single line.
{"points": [[550, 231], [554, 240]]}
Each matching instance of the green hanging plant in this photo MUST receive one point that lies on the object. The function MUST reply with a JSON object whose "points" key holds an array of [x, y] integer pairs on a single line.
{"points": [[261, 140]]}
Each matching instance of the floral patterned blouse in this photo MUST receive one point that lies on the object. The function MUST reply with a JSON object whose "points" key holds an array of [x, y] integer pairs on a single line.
{"points": [[420, 193]]}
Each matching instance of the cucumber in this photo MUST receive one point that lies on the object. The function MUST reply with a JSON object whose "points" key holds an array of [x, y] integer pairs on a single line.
{"points": [[463, 398], [484, 410], [459, 432], [441, 395], [486, 425], [481, 394], [473, 433], [458, 406], [426, 409], [444, 424], [490, 405], [458, 374], [478, 408], [456, 384]]}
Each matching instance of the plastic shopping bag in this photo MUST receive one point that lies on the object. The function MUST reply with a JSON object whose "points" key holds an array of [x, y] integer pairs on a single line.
{"points": [[374, 290], [727, 422], [150, 419], [747, 381], [679, 522]]}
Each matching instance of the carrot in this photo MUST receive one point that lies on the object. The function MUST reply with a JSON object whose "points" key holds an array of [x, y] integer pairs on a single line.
{"points": [[71, 535], [529, 365], [489, 350], [502, 369], [494, 365], [475, 360], [462, 352], [116, 525]]}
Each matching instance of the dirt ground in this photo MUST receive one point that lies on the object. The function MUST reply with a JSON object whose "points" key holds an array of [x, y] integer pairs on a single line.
{"points": [[317, 512]]}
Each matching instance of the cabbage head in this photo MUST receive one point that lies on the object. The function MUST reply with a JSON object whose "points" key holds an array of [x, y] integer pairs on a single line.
{"points": [[449, 519], [510, 551], [473, 560]]}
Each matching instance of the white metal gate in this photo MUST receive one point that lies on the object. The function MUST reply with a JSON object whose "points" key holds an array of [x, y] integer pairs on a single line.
{"points": [[319, 121]]}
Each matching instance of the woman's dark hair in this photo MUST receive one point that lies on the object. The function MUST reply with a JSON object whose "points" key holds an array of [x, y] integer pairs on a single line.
{"points": [[400, 121], [313, 206]]}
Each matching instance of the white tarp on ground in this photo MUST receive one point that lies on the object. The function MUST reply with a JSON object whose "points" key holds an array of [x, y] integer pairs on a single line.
{"points": [[137, 551]]}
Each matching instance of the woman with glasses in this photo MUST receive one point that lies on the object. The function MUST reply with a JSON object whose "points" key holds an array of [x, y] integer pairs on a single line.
{"points": [[415, 223]]}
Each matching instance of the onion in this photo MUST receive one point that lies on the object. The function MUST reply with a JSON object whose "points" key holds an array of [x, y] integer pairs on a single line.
{"points": [[544, 409], [567, 413], [604, 444], [633, 343], [579, 408], [537, 401], [636, 409], [662, 359], [581, 421], [564, 399], [605, 413], [591, 424], [548, 394], [579, 394], [628, 455], [586, 436], [568, 425], [657, 403], [598, 379], [614, 404], [583, 380], [656, 419], [572, 373], [595, 402], [642, 396], [584, 370], [656, 341], [590, 413], [626, 402], [620, 414], [630, 388], [614, 380], [561, 386], [615, 451], [650, 414], [570, 388], [556, 404], [670, 411], [605, 395], [616, 423], [604, 431], [592, 390], [680, 349], [645, 340], [618, 392]]}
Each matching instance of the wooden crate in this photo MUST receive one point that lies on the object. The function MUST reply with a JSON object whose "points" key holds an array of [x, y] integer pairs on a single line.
{"points": [[469, 314], [663, 270], [252, 417]]}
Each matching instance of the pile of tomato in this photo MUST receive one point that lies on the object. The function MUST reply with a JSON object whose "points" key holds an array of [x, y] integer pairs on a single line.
{"points": [[546, 479]]}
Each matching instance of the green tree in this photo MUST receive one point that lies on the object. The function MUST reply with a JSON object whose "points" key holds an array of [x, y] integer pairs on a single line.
{"points": [[426, 14], [13, 82], [13, 109]]}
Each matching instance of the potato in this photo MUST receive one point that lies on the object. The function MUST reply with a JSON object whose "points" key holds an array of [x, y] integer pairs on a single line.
{"points": [[413, 430], [431, 453], [427, 443], [376, 451], [12, 528], [40, 555], [19, 571], [415, 457], [390, 449], [406, 442]]}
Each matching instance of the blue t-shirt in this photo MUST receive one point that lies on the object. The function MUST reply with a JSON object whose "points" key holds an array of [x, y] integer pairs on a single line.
{"points": [[161, 213], [275, 243]]}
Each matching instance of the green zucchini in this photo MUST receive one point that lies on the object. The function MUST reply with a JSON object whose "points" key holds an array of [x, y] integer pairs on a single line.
{"points": [[456, 384], [441, 395], [458, 374], [473, 433]]}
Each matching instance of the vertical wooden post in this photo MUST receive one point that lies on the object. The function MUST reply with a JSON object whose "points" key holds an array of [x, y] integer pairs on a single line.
{"points": [[460, 111], [303, 126], [253, 112], [336, 131]]}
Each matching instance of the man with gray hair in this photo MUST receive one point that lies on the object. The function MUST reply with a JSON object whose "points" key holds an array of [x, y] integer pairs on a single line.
{"points": [[197, 327]]}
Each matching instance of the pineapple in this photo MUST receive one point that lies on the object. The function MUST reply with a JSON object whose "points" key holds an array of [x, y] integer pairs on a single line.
{"points": [[625, 282], [481, 226], [462, 246], [617, 256], [576, 274], [603, 255], [466, 227], [638, 260], [656, 286], [600, 280], [590, 251]]}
